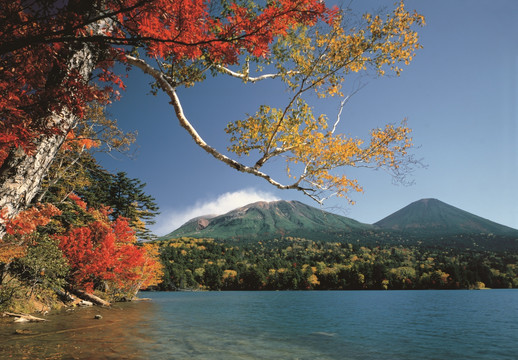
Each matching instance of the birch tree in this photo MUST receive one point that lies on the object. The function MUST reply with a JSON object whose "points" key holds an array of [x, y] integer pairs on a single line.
{"points": [[57, 56]]}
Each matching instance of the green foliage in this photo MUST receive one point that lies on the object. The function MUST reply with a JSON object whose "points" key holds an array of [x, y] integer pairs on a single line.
{"points": [[126, 197], [32, 266], [10, 290], [75, 170], [33, 277], [97, 187], [294, 263], [44, 266]]}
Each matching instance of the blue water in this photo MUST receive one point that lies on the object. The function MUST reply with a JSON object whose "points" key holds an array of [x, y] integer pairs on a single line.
{"points": [[285, 325]]}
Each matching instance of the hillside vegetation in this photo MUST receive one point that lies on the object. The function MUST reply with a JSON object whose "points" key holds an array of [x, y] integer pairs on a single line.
{"points": [[288, 245], [298, 264]]}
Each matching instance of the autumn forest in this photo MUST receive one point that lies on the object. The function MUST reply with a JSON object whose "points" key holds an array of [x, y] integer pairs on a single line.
{"points": [[298, 264]]}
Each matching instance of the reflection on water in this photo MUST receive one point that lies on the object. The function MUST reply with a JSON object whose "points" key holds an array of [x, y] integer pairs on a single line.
{"points": [[330, 325], [76, 334]]}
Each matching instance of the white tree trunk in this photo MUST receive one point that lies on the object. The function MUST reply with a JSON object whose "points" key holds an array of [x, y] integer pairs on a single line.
{"points": [[21, 174]]}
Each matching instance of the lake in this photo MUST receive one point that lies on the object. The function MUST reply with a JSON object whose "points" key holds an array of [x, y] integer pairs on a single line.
{"points": [[280, 325]]}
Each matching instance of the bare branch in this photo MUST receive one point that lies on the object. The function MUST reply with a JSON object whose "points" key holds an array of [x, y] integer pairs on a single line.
{"points": [[246, 76]]}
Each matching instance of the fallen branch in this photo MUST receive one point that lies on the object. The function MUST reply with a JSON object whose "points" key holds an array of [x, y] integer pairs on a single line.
{"points": [[24, 317], [66, 297], [89, 297]]}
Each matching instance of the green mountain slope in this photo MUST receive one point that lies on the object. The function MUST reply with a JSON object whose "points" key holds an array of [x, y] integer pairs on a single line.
{"points": [[265, 220], [428, 222], [433, 217]]}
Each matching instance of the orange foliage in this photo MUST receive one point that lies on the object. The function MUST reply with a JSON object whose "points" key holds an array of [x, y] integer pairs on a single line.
{"points": [[28, 220], [19, 229], [101, 252], [152, 269], [75, 198], [73, 141], [106, 251], [10, 251], [179, 30]]}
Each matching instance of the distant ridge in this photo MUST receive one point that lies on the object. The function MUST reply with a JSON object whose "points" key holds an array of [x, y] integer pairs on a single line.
{"points": [[265, 220], [432, 216], [427, 222]]}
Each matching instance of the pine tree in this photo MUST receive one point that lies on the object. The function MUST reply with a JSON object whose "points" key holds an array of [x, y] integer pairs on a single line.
{"points": [[127, 199]]}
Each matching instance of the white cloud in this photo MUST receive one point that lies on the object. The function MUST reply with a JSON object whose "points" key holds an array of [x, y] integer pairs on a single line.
{"points": [[172, 220]]}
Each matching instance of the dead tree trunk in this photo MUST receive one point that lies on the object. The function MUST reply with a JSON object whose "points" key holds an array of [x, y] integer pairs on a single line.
{"points": [[90, 297]]}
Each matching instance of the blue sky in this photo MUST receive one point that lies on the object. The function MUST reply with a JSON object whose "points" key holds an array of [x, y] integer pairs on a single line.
{"points": [[460, 96]]}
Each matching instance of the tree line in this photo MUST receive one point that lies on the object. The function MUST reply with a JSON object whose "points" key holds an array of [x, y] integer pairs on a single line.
{"points": [[299, 264]]}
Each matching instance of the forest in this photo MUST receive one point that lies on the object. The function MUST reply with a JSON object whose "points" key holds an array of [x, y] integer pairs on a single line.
{"points": [[299, 264], [81, 230]]}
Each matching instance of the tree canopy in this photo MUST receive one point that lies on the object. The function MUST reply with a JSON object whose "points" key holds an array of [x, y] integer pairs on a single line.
{"points": [[57, 56], [301, 264]]}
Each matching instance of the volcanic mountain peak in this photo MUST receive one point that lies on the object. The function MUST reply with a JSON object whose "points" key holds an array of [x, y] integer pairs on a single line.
{"points": [[270, 219], [434, 216]]}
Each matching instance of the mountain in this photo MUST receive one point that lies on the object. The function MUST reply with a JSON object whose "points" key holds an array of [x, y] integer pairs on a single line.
{"points": [[266, 220], [196, 224], [427, 222], [434, 217]]}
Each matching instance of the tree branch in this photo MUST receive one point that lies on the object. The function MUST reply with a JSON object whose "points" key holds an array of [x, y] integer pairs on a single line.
{"points": [[185, 123], [246, 76]]}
